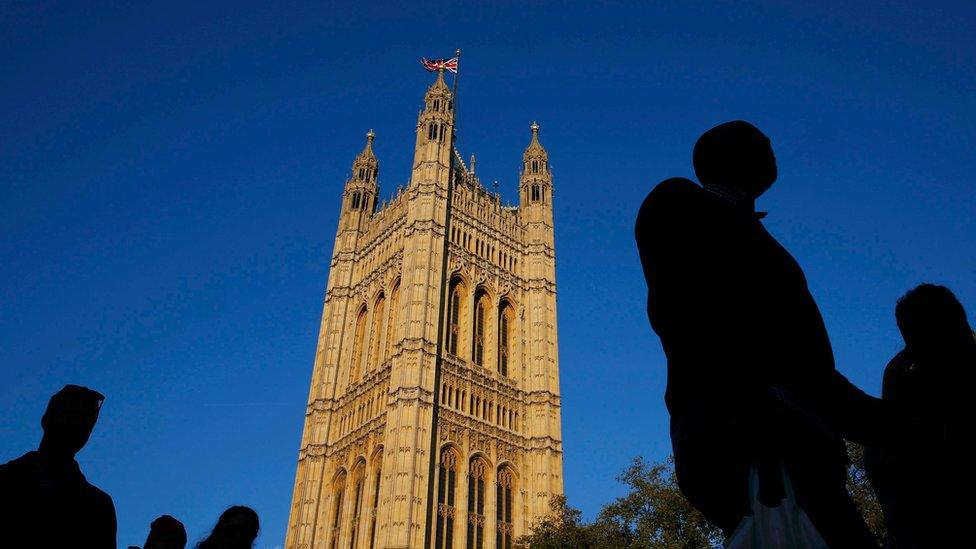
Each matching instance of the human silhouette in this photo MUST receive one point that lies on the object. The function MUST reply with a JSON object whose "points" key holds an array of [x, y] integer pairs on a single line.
{"points": [[237, 528], [166, 533], [925, 489], [45, 501], [751, 377]]}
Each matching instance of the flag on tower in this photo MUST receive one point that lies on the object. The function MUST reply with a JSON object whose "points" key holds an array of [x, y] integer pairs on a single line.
{"points": [[434, 65]]}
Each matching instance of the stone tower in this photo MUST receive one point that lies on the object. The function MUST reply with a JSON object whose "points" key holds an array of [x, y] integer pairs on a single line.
{"points": [[433, 418]]}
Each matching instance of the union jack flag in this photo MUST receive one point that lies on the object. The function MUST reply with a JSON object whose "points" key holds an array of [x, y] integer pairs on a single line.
{"points": [[433, 65]]}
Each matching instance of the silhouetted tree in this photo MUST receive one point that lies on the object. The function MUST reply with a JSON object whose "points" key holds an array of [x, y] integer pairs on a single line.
{"points": [[654, 514]]}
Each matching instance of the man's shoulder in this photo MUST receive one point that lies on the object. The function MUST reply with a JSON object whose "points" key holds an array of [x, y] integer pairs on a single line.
{"points": [[97, 496], [674, 190], [671, 197], [15, 467]]}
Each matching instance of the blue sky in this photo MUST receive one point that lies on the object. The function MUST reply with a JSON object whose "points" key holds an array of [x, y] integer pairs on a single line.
{"points": [[170, 177]]}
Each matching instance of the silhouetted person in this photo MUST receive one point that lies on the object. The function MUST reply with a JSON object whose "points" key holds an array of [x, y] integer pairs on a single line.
{"points": [[925, 489], [237, 528], [166, 533], [45, 501], [751, 376]]}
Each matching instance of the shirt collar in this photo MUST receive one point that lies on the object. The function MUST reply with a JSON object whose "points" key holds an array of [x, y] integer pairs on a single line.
{"points": [[735, 198]]}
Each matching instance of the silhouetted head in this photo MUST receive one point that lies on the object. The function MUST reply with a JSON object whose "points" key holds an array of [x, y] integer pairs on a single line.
{"points": [[735, 155], [931, 319], [166, 533], [69, 419], [237, 528]]}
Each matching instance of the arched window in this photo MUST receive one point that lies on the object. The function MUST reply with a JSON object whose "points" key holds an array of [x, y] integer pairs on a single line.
{"points": [[338, 489], [358, 345], [480, 328], [477, 473], [454, 317], [358, 481], [437, 105], [505, 319], [503, 505], [535, 166], [447, 481], [355, 200], [377, 474], [377, 335], [391, 323], [535, 193]]}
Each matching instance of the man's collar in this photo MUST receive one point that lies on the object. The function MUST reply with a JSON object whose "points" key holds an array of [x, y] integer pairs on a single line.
{"points": [[735, 198]]}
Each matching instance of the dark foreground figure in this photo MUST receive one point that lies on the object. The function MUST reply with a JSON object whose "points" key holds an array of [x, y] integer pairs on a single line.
{"points": [[45, 501], [926, 489], [166, 533], [237, 528], [751, 376]]}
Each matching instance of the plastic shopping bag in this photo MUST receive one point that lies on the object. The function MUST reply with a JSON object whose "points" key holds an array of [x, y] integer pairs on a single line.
{"points": [[784, 526]]}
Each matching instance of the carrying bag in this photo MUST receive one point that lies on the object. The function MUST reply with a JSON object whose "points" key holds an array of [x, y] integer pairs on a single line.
{"points": [[784, 526]]}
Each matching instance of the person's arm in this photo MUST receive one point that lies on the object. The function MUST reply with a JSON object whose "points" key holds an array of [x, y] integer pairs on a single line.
{"points": [[694, 296]]}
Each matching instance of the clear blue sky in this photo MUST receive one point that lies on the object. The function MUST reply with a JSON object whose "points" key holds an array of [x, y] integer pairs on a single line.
{"points": [[170, 178]]}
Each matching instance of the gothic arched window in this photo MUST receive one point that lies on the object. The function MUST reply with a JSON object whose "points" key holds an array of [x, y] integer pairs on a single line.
{"points": [[503, 508], [355, 200], [535, 166], [446, 512], [377, 340], [480, 328], [477, 480], [358, 345], [505, 319], [535, 193], [338, 489], [358, 482], [391, 323], [377, 474], [454, 317]]}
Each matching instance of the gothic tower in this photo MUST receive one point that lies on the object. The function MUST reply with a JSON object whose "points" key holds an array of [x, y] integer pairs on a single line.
{"points": [[433, 417]]}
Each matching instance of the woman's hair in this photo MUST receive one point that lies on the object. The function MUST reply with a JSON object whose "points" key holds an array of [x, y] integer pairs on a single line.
{"points": [[236, 528]]}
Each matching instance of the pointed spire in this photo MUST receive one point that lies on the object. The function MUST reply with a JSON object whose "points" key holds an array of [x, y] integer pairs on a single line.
{"points": [[368, 149], [472, 164], [535, 148]]}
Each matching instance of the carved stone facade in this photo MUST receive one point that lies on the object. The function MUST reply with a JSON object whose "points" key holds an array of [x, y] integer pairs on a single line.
{"points": [[434, 412]]}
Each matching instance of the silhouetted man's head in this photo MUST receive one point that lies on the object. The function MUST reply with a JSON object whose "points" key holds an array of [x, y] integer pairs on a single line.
{"points": [[930, 317], [166, 533], [69, 419], [735, 155]]}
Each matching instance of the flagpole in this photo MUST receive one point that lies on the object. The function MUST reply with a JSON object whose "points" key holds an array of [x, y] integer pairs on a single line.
{"points": [[445, 282]]}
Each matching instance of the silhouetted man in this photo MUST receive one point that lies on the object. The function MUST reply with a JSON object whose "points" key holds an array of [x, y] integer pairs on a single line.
{"points": [[925, 490], [751, 377], [45, 501]]}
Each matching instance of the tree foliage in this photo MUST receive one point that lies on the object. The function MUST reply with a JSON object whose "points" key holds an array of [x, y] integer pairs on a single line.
{"points": [[655, 515], [862, 493]]}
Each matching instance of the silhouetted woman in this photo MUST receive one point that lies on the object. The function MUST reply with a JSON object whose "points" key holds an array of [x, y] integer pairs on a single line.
{"points": [[925, 488], [237, 528]]}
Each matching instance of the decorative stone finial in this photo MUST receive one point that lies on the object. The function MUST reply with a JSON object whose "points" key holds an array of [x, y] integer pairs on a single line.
{"points": [[370, 135], [534, 127]]}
